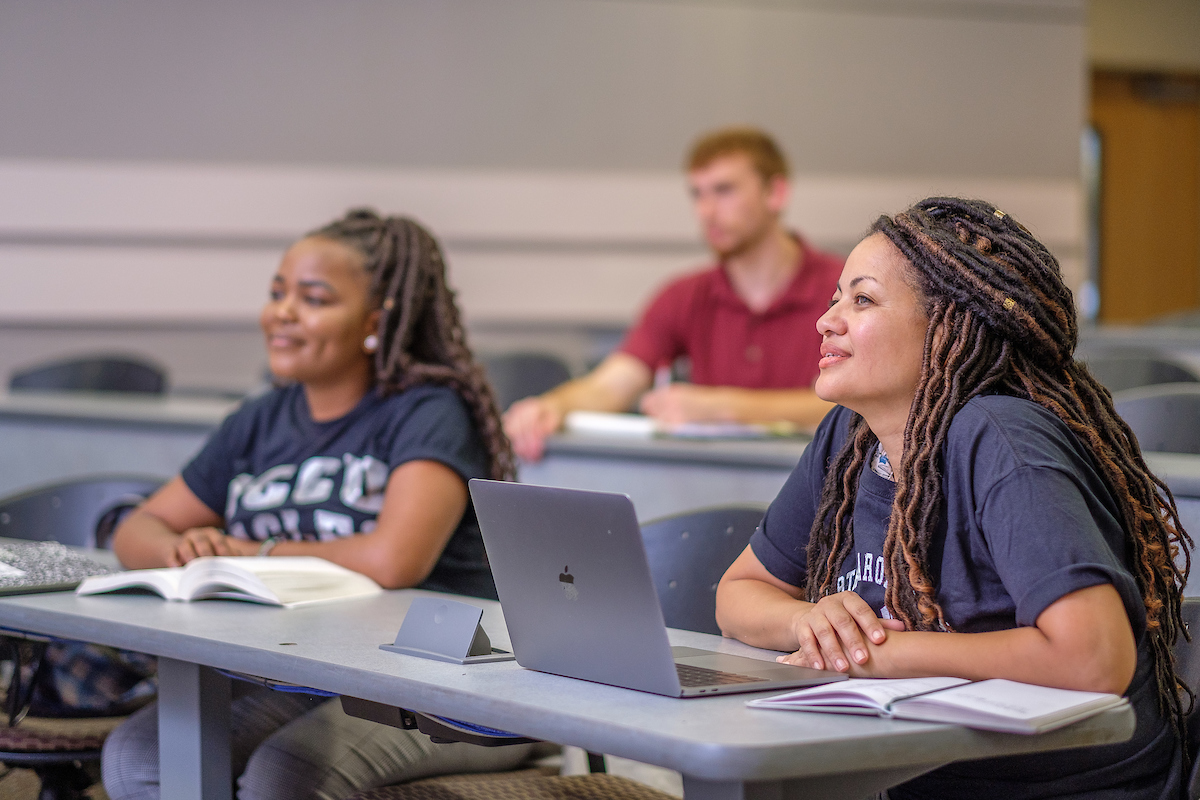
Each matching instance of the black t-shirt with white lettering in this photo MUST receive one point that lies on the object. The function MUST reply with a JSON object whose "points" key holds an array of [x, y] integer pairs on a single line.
{"points": [[1027, 519], [270, 470]]}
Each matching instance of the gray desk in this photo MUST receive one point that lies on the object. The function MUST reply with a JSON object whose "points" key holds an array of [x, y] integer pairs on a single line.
{"points": [[48, 436], [667, 476], [724, 750]]}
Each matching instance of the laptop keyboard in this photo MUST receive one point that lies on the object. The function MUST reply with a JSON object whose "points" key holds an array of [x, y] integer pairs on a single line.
{"points": [[702, 676]]}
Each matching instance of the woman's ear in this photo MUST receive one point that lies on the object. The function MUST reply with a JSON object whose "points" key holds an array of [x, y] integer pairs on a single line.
{"points": [[371, 325], [370, 339]]}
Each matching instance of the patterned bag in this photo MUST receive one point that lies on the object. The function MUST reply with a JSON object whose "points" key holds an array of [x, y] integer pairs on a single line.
{"points": [[77, 679]]}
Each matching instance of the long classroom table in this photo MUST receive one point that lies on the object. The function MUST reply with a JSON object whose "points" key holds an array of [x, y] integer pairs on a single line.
{"points": [[51, 436], [724, 750], [46, 437]]}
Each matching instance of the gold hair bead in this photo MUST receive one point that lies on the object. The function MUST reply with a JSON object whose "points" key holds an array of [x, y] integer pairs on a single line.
{"points": [[1009, 304], [999, 214]]}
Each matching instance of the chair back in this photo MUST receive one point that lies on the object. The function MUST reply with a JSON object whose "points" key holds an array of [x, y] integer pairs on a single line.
{"points": [[688, 554], [81, 512], [517, 375], [1165, 419], [1120, 372], [93, 374]]}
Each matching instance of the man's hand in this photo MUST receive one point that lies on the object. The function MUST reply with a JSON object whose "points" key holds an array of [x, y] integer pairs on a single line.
{"points": [[197, 542], [685, 402], [839, 628], [528, 422]]}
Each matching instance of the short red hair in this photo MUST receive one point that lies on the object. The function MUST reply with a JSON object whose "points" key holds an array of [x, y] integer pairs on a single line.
{"points": [[766, 157]]}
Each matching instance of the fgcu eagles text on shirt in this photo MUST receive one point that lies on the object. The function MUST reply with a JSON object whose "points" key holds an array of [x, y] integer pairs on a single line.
{"points": [[270, 470], [330, 497]]}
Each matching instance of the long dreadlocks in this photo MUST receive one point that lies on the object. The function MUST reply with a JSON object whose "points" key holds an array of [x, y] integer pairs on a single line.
{"points": [[421, 339], [1001, 320]]}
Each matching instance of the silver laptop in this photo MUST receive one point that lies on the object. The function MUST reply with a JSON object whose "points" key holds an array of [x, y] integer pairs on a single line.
{"points": [[577, 595]]}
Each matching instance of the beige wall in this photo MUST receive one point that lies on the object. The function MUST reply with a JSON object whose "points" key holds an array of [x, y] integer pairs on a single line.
{"points": [[1144, 34], [156, 155], [150, 145]]}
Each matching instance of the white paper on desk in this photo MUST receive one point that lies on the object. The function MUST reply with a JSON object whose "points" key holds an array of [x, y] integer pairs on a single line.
{"points": [[605, 424], [719, 430]]}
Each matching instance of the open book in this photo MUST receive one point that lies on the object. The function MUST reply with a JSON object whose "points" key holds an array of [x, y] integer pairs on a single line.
{"points": [[279, 581], [994, 705]]}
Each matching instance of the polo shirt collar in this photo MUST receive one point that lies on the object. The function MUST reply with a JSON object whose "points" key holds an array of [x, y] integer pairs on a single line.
{"points": [[801, 292]]}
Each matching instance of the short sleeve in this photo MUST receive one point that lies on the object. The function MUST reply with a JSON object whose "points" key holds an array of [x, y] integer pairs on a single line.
{"points": [[781, 541], [1049, 535], [439, 428], [657, 339], [209, 473]]}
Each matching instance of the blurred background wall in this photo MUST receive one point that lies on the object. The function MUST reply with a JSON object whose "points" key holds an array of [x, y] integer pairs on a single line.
{"points": [[156, 156]]}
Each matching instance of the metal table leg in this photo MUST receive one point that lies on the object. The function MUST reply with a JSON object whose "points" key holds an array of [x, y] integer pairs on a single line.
{"points": [[193, 732]]}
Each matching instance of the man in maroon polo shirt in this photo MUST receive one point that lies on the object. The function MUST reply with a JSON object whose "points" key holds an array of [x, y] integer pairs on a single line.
{"points": [[747, 323]]}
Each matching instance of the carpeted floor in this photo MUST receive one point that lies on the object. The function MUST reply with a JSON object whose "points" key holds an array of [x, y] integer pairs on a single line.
{"points": [[22, 784]]}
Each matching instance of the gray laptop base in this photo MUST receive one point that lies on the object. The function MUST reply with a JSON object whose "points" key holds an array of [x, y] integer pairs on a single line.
{"points": [[579, 601]]}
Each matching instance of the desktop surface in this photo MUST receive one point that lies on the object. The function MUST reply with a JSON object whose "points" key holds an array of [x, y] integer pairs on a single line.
{"points": [[335, 647]]}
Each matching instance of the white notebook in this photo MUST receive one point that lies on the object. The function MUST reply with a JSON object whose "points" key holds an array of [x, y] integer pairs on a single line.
{"points": [[996, 705], [277, 580]]}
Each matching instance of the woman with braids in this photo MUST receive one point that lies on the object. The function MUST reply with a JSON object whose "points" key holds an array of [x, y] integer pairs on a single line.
{"points": [[974, 507], [363, 459]]}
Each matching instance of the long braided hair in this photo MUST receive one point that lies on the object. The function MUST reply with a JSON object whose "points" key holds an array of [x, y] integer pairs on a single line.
{"points": [[1001, 321], [421, 338]]}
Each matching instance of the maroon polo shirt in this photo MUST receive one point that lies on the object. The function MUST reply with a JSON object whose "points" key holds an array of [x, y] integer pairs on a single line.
{"points": [[702, 317]]}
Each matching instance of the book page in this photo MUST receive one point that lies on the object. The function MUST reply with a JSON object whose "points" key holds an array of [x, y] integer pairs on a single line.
{"points": [[607, 424], [277, 580], [164, 582], [865, 693], [1007, 705]]}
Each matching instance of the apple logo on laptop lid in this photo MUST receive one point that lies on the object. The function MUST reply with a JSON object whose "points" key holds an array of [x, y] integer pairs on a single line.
{"points": [[568, 583]]}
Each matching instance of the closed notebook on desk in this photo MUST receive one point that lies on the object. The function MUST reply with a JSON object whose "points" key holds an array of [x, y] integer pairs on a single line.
{"points": [[578, 598]]}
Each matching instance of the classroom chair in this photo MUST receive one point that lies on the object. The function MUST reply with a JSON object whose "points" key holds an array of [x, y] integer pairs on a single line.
{"points": [[1165, 419], [93, 374], [517, 785], [688, 554], [82, 513], [514, 376], [1120, 371]]}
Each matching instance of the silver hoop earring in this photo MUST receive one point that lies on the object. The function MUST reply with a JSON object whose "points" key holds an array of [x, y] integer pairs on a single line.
{"points": [[371, 343]]}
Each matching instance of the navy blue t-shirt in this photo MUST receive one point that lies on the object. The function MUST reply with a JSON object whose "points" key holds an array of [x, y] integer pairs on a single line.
{"points": [[1027, 519], [271, 470]]}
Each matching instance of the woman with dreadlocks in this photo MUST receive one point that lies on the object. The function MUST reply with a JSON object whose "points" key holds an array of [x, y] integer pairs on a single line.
{"points": [[974, 507], [362, 458]]}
